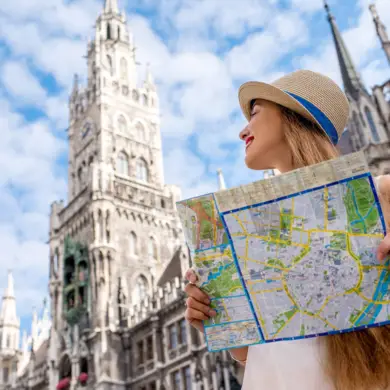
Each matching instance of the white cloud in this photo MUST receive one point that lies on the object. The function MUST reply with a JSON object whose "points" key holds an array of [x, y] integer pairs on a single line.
{"points": [[324, 61], [251, 59], [18, 80], [56, 110], [228, 19], [375, 73], [307, 5], [51, 54], [290, 27], [182, 166], [73, 18], [28, 152]]}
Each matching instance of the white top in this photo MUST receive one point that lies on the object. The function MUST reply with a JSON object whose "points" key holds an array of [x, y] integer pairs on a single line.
{"points": [[287, 365], [292, 365]]}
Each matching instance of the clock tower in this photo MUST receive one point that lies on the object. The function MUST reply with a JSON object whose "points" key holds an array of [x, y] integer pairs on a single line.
{"points": [[111, 242]]}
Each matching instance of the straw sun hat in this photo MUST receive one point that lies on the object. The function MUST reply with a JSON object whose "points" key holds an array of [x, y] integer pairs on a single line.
{"points": [[312, 95]]}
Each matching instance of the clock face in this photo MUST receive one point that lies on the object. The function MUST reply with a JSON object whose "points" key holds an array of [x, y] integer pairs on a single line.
{"points": [[86, 129]]}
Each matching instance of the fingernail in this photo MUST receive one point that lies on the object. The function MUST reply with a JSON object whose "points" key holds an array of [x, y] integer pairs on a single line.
{"points": [[192, 278], [207, 301], [212, 313]]}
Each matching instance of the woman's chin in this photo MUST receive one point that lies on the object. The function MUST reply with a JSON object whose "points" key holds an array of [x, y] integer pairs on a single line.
{"points": [[253, 163]]}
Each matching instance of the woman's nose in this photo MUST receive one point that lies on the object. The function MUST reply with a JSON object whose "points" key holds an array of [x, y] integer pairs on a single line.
{"points": [[244, 133]]}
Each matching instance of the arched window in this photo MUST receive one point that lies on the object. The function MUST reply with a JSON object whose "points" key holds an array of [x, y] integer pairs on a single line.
{"points": [[119, 33], [122, 124], [141, 288], [109, 36], [371, 123], [142, 170], [141, 136], [56, 260], [108, 235], [145, 99], [133, 244], [123, 67], [135, 95], [101, 262], [109, 63], [65, 367], [80, 177], [122, 164], [100, 224], [152, 249]]}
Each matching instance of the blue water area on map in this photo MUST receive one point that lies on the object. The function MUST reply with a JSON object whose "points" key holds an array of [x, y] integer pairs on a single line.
{"points": [[381, 289]]}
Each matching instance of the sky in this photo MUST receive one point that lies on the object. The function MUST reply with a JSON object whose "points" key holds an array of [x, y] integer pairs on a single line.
{"points": [[199, 51]]}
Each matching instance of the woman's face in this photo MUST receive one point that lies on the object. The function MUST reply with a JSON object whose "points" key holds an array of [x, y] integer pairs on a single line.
{"points": [[265, 144]]}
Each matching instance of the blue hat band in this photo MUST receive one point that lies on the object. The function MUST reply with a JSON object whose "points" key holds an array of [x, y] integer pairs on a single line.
{"points": [[321, 118]]}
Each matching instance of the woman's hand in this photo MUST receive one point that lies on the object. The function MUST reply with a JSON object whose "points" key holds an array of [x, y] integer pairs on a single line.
{"points": [[384, 248], [384, 197], [198, 303]]}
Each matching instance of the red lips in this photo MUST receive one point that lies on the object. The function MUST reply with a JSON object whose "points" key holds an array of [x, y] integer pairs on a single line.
{"points": [[248, 140]]}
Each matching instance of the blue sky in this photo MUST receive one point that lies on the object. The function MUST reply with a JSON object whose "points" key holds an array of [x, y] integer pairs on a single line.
{"points": [[200, 51]]}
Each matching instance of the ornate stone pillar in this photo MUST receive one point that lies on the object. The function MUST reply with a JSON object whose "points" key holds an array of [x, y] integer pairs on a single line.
{"points": [[205, 369], [156, 345], [75, 373], [215, 379], [225, 370]]}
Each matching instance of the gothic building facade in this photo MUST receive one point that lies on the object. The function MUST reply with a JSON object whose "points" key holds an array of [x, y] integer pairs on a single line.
{"points": [[369, 124], [117, 252]]}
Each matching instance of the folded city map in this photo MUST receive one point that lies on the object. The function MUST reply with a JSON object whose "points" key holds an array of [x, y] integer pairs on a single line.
{"points": [[292, 256]]}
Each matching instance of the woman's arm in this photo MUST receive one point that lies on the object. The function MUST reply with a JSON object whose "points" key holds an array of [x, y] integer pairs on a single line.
{"points": [[239, 355]]}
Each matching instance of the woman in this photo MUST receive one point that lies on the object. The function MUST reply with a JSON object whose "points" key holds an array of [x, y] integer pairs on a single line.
{"points": [[296, 122]]}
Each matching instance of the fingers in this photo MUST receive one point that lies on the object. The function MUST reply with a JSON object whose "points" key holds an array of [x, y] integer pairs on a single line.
{"points": [[383, 248], [191, 276], [198, 303], [192, 314], [197, 324], [199, 306], [197, 293]]}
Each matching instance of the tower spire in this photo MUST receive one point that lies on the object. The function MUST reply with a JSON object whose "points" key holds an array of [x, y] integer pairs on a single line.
{"points": [[8, 309], [381, 31], [10, 285], [9, 321], [221, 180], [149, 80], [351, 79], [111, 6]]}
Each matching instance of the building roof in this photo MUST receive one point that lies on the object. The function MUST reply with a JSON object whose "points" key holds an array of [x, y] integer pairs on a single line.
{"points": [[172, 270], [41, 353]]}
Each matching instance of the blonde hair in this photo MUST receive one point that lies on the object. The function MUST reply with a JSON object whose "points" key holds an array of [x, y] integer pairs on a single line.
{"points": [[357, 360]]}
